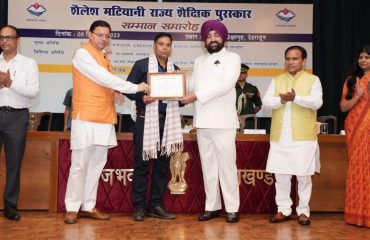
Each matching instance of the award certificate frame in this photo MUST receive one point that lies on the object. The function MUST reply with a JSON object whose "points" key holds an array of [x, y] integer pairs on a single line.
{"points": [[167, 86]]}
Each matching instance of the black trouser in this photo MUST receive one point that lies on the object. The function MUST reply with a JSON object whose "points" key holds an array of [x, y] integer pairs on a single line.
{"points": [[159, 177], [13, 130]]}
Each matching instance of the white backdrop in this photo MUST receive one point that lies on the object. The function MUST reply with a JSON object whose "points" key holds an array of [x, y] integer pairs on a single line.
{"points": [[52, 30]]}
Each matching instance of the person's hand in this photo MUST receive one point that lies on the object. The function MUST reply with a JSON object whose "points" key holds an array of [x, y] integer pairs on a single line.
{"points": [[287, 97], [143, 87], [147, 99], [2, 79], [189, 98], [3, 76], [5, 80], [8, 81], [359, 90], [119, 98]]}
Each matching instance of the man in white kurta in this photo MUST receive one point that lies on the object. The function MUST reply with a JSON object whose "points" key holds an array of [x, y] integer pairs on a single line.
{"points": [[212, 85], [292, 152], [90, 139]]}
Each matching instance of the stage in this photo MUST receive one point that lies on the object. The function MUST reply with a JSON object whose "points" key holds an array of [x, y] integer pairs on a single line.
{"points": [[44, 225]]}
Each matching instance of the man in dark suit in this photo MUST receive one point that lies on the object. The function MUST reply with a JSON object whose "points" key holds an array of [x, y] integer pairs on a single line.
{"points": [[159, 62]]}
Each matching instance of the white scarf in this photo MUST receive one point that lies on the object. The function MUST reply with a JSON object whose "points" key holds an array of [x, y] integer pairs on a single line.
{"points": [[172, 140]]}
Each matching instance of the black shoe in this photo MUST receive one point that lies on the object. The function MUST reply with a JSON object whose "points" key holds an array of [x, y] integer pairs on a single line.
{"points": [[139, 214], [232, 217], [208, 215], [11, 214], [160, 212]]}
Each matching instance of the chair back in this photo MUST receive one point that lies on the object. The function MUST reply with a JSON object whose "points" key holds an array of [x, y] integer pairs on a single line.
{"points": [[187, 120], [243, 118], [36, 118], [331, 120]]}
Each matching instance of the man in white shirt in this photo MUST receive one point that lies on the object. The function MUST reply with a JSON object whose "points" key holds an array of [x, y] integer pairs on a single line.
{"points": [[294, 98], [19, 83], [212, 88], [93, 118]]}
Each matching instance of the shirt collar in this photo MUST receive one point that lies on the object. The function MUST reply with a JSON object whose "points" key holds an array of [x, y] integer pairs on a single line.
{"points": [[222, 51], [16, 57], [298, 74], [237, 85], [160, 68]]}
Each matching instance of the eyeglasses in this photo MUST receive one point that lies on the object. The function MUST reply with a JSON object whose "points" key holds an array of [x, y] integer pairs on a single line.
{"points": [[101, 35], [7, 38]]}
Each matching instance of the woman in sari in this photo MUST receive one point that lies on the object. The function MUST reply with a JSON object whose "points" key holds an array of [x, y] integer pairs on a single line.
{"points": [[356, 100]]}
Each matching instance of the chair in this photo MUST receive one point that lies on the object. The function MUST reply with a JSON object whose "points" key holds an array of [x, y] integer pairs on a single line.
{"points": [[331, 120], [36, 119], [187, 120], [243, 118]]}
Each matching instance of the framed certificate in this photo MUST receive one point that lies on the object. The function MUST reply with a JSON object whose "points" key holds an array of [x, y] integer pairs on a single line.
{"points": [[168, 86]]}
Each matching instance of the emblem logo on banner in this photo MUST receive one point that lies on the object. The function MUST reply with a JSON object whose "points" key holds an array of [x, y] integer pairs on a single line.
{"points": [[285, 15], [36, 9]]}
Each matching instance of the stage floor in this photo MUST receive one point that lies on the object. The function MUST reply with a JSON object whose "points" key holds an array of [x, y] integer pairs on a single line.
{"points": [[44, 225]]}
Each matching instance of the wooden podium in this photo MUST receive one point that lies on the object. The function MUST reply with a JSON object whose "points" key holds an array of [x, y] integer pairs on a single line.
{"points": [[39, 175]]}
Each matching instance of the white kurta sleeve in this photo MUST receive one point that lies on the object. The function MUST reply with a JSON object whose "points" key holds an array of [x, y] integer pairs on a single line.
{"points": [[270, 101], [314, 100], [84, 62]]}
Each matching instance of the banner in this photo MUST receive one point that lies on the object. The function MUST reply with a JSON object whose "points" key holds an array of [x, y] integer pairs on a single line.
{"points": [[52, 30]]}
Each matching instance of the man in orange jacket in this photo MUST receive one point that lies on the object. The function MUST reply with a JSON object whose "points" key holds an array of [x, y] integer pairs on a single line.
{"points": [[93, 118]]}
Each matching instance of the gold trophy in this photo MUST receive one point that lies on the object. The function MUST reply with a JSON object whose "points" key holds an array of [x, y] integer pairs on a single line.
{"points": [[177, 184]]}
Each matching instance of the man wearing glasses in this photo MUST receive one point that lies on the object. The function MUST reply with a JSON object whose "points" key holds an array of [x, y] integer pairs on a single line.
{"points": [[19, 83], [93, 117]]}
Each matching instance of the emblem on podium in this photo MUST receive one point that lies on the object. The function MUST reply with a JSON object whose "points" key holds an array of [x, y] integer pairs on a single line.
{"points": [[177, 184]]}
